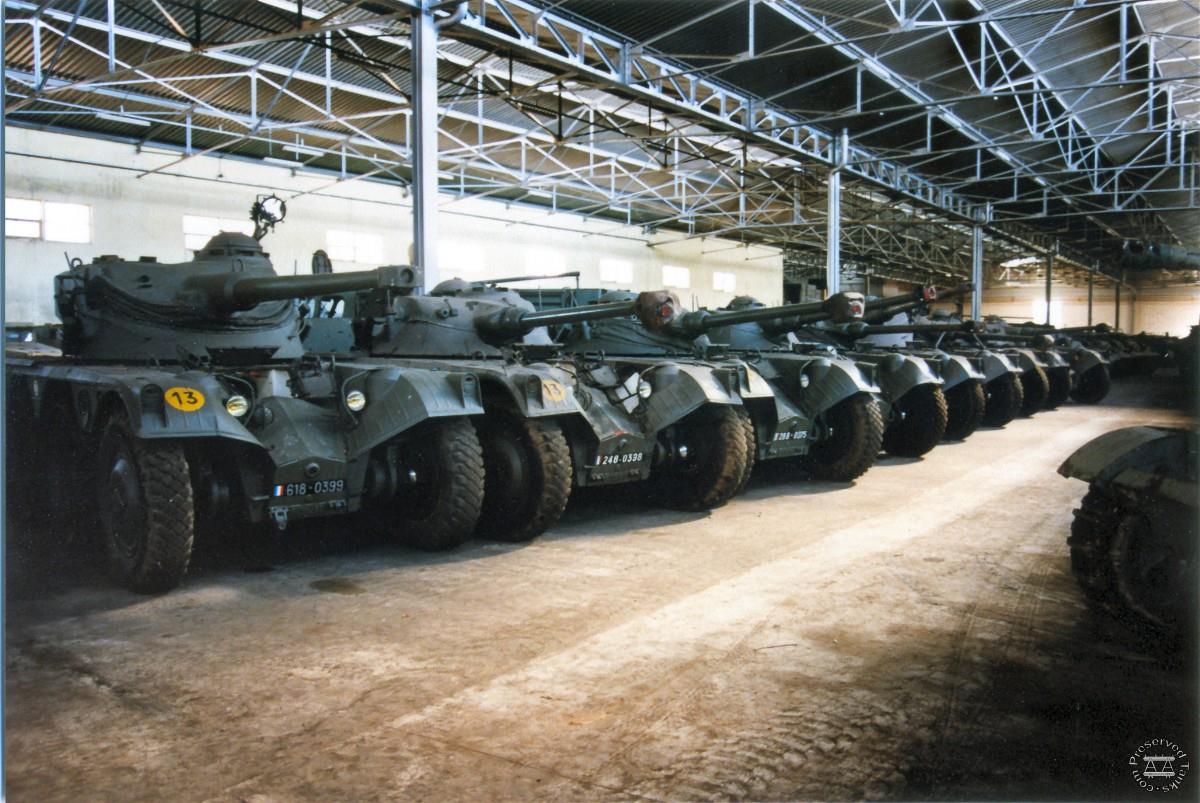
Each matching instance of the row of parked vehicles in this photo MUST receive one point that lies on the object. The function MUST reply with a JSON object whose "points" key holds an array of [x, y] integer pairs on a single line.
{"points": [[177, 398]]}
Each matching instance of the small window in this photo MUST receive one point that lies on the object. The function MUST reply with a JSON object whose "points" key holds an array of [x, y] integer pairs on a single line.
{"points": [[355, 246], [676, 277], [67, 223], [198, 230], [616, 271], [52, 221], [725, 282]]}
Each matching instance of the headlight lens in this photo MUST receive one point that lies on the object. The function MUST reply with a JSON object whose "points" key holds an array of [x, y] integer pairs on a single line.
{"points": [[355, 401], [237, 406], [804, 380], [644, 389]]}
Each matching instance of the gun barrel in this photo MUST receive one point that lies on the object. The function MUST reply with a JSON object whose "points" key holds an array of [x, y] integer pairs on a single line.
{"points": [[235, 291], [786, 313], [919, 328], [590, 312]]}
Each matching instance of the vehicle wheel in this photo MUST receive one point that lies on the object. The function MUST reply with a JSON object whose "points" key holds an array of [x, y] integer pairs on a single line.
{"points": [[1004, 396], [1060, 386], [1092, 386], [1154, 581], [708, 477], [1091, 538], [527, 475], [1036, 387], [965, 404], [751, 437], [920, 422], [441, 508], [146, 509], [852, 435]]}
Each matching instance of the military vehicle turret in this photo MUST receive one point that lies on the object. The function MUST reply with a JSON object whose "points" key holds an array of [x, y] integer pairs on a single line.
{"points": [[182, 397], [555, 421], [818, 411]]}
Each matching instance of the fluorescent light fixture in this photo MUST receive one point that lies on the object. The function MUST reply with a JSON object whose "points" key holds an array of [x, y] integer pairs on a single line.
{"points": [[275, 160], [118, 118], [304, 150], [1021, 261]]}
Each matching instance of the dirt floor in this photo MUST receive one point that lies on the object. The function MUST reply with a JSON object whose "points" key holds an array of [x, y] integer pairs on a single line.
{"points": [[915, 635]]}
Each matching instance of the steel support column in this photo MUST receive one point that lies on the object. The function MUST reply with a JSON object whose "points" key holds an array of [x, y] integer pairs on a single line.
{"points": [[1117, 295], [1049, 281], [977, 271], [833, 222], [1091, 290], [423, 140]]}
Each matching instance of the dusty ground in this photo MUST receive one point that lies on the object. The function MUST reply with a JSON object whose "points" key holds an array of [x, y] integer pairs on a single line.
{"points": [[917, 635]]}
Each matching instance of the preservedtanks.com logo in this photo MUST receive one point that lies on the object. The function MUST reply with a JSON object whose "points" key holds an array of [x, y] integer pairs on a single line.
{"points": [[1159, 765]]}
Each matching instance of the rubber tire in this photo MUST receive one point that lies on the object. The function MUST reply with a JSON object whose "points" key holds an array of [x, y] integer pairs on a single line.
{"points": [[1005, 394], [157, 478], [1060, 386], [1035, 386], [965, 404], [454, 512], [511, 513], [921, 422], [1169, 612], [857, 425], [751, 436], [712, 475], [1091, 539], [1092, 386]]}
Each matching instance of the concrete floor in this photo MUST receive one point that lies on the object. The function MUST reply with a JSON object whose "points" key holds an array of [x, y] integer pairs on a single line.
{"points": [[916, 635]]}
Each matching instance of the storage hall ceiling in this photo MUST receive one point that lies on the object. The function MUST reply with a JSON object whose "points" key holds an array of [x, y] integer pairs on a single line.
{"points": [[1059, 125]]}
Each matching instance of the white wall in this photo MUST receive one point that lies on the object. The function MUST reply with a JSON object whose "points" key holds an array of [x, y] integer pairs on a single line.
{"points": [[142, 216], [1157, 310]]}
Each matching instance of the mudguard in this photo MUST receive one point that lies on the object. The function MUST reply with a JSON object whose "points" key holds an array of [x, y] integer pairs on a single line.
{"points": [[401, 398], [142, 394], [954, 369], [897, 374], [831, 381], [1155, 460], [996, 365], [537, 390], [1084, 359], [680, 388]]}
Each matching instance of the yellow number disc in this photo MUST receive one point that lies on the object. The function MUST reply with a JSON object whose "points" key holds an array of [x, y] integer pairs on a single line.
{"points": [[186, 399], [553, 390]]}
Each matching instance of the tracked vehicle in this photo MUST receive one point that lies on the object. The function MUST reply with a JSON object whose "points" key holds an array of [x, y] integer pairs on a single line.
{"points": [[555, 420], [182, 399], [1134, 540]]}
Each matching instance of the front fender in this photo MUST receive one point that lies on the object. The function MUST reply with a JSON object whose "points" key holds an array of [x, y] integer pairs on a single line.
{"points": [[897, 374], [143, 394], [537, 390], [996, 365], [678, 389], [831, 381], [1153, 459], [955, 370], [1084, 359], [401, 398]]}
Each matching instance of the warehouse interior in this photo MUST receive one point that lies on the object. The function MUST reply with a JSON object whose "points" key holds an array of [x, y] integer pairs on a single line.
{"points": [[916, 631]]}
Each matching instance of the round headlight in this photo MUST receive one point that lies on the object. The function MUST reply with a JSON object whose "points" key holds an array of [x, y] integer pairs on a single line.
{"points": [[237, 406], [355, 401], [804, 380], [644, 389]]}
